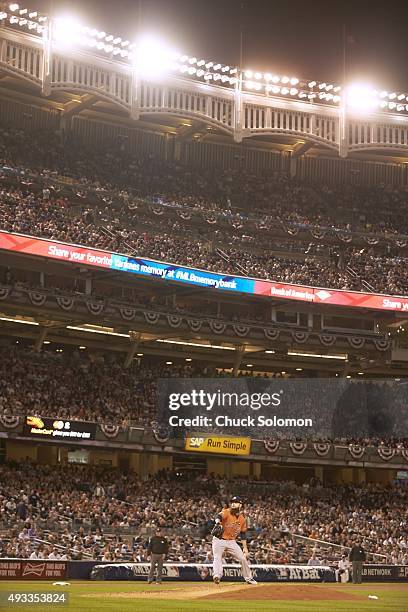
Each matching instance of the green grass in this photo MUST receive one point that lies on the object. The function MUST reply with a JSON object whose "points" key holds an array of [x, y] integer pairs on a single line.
{"points": [[393, 599]]}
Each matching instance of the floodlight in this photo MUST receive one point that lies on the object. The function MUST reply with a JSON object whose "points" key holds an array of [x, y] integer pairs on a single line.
{"points": [[285, 79], [14, 7], [392, 95], [152, 56], [293, 91], [401, 96], [312, 84], [248, 74], [361, 97], [258, 75], [284, 91], [253, 85], [294, 81], [66, 31], [268, 77]]}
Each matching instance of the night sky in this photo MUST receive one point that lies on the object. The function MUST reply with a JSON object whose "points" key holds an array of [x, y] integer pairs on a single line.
{"points": [[299, 38]]}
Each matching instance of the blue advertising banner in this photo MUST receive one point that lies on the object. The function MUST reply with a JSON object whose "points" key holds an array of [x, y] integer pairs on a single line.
{"points": [[202, 572], [184, 275]]}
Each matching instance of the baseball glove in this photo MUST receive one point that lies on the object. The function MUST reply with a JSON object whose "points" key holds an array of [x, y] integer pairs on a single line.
{"points": [[217, 530]]}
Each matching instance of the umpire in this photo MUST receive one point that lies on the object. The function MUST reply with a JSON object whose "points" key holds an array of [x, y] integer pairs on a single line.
{"points": [[157, 548], [357, 557]]}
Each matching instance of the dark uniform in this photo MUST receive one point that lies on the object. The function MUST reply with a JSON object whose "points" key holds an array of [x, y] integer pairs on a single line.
{"points": [[357, 557], [157, 548]]}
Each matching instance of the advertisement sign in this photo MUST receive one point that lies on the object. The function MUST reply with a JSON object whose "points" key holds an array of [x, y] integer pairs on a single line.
{"points": [[203, 573], [385, 573], [219, 444], [219, 282], [32, 570], [44, 428], [15, 569]]}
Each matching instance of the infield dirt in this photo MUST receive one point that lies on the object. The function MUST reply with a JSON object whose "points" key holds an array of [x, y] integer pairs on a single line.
{"points": [[261, 592]]}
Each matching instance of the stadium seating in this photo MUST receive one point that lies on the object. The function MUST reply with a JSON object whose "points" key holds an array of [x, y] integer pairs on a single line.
{"points": [[184, 215], [107, 514]]}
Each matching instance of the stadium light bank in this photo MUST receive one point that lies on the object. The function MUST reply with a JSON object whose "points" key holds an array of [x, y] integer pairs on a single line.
{"points": [[152, 58]]}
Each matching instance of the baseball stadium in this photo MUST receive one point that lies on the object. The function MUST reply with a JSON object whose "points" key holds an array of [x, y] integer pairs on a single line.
{"points": [[203, 306]]}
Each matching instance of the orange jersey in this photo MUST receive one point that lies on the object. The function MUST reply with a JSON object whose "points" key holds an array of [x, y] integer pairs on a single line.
{"points": [[232, 525]]}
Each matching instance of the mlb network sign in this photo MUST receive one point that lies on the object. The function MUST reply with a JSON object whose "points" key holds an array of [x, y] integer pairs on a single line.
{"points": [[219, 444]]}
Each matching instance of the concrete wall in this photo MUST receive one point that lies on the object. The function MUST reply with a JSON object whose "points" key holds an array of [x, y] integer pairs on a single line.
{"points": [[18, 451]]}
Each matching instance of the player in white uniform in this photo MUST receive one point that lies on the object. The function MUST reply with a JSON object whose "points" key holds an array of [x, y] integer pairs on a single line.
{"points": [[343, 570]]}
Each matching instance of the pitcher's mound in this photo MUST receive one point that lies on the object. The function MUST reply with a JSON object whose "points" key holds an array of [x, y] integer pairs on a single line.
{"points": [[290, 592]]}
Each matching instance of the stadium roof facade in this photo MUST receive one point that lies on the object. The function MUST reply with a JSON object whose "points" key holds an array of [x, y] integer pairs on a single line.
{"points": [[74, 70]]}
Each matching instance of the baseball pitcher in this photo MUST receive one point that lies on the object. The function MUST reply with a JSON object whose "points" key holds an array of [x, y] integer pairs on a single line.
{"points": [[230, 524]]}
